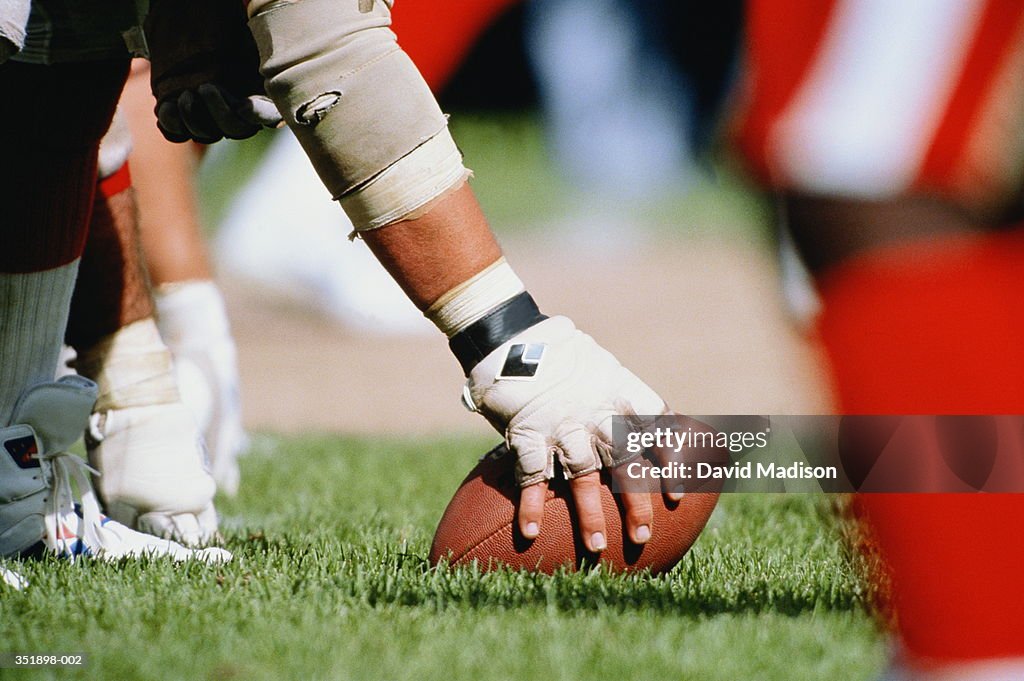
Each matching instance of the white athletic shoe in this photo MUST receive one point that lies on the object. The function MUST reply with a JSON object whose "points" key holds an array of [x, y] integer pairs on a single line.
{"points": [[153, 471], [37, 503], [12, 579]]}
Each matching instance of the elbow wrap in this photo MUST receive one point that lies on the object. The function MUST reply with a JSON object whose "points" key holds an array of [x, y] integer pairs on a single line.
{"points": [[358, 106]]}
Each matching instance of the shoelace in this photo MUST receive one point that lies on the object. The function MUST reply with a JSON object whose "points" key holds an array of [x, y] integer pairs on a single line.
{"points": [[62, 468]]}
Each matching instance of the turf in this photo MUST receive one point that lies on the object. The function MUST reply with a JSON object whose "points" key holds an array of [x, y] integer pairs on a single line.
{"points": [[330, 582]]}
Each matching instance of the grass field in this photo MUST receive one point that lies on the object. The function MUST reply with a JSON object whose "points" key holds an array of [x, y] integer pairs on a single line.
{"points": [[331, 534], [330, 582]]}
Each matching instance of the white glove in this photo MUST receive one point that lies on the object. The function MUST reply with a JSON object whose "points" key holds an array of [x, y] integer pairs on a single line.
{"points": [[552, 391], [193, 323], [154, 475]]}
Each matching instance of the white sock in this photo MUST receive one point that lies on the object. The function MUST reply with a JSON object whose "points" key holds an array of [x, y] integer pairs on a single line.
{"points": [[33, 317]]}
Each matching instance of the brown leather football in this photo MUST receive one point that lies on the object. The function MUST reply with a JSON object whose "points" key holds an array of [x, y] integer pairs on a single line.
{"points": [[480, 525]]}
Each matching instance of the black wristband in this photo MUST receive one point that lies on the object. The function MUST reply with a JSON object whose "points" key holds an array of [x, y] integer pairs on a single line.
{"points": [[480, 338]]}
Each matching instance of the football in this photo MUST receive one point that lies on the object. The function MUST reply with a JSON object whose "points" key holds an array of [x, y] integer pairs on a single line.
{"points": [[479, 526]]}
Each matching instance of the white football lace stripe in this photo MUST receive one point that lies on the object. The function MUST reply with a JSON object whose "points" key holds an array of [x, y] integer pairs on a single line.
{"points": [[64, 467]]}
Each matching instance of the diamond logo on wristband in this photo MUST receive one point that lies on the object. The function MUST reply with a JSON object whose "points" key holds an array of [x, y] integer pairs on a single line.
{"points": [[522, 361]]}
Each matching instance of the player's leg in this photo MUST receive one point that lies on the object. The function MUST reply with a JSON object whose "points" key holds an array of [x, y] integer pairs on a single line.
{"points": [[938, 327], [43, 239], [895, 138], [47, 198], [191, 313], [142, 438]]}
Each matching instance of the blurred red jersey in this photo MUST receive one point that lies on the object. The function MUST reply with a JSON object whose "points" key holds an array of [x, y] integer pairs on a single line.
{"points": [[439, 35], [873, 99]]}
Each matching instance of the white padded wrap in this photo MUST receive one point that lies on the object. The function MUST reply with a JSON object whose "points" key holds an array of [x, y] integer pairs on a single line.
{"points": [[566, 408], [13, 24], [358, 106], [154, 474]]}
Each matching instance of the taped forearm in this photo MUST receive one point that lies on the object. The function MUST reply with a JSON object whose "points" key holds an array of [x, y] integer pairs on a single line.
{"points": [[358, 106]]}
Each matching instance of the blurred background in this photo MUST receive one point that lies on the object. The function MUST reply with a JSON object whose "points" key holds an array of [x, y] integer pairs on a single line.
{"points": [[652, 240]]}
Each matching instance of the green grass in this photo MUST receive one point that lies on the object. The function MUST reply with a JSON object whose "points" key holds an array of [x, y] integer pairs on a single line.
{"points": [[330, 582]]}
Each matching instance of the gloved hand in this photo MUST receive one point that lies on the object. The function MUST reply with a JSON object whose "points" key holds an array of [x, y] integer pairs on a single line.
{"points": [[205, 71], [552, 392], [153, 473]]}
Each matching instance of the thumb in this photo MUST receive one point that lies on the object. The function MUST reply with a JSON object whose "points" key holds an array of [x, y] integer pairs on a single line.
{"points": [[260, 110]]}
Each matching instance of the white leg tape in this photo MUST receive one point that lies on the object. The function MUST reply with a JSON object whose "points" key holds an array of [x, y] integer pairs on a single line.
{"points": [[358, 106]]}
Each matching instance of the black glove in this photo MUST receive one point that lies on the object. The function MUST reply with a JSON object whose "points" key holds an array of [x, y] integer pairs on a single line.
{"points": [[205, 71]]}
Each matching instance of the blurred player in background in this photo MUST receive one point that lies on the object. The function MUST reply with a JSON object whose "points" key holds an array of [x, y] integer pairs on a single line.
{"points": [[190, 309], [894, 136], [630, 94], [141, 436]]}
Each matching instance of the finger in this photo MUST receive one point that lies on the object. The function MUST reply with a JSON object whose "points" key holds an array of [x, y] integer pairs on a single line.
{"points": [[671, 487], [223, 114], [586, 493], [197, 118], [168, 119], [531, 509], [637, 505], [639, 516]]}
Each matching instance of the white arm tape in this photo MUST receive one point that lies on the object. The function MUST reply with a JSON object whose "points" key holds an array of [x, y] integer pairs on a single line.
{"points": [[398, 193], [358, 106], [471, 300]]}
